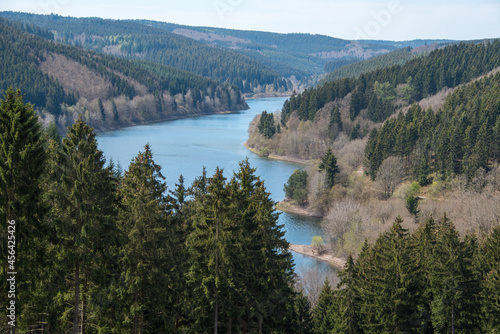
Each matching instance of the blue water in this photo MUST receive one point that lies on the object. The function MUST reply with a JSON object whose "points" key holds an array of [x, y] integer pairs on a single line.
{"points": [[185, 146]]}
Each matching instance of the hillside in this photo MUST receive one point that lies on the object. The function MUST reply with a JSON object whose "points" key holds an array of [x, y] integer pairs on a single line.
{"points": [[300, 55], [64, 82], [138, 41], [459, 141], [461, 138], [355, 69], [289, 54], [375, 95]]}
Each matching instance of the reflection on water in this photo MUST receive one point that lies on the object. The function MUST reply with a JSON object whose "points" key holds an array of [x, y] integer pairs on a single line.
{"points": [[185, 146]]}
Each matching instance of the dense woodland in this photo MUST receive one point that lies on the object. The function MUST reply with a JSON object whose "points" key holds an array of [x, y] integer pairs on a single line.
{"points": [[138, 41], [423, 76], [430, 281], [165, 91], [288, 54], [459, 139], [98, 251], [437, 155], [354, 69], [103, 252]]}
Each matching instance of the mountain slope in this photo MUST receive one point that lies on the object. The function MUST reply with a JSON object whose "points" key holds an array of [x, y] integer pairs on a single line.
{"points": [[138, 41], [347, 109], [65, 81], [288, 54]]}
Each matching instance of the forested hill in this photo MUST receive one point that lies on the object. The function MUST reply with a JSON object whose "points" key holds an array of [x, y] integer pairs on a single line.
{"points": [[462, 138], [325, 117], [65, 81], [288, 54], [355, 69], [138, 41], [377, 92], [300, 55]]}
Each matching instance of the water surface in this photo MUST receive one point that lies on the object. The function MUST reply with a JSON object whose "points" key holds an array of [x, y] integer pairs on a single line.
{"points": [[185, 146]]}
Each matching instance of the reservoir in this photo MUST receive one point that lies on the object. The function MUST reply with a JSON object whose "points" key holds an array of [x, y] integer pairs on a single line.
{"points": [[185, 146]]}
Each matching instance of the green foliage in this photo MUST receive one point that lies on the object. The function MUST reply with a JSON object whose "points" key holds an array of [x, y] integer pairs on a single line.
{"points": [[53, 133], [138, 41], [441, 68], [296, 186], [428, 282], [457, 137], [318, 243], [412, 205], [329, 165], [397, 57], [232, 221], [266, 124], [264, 153], [384, 91], [23, 54], [81, 192], [147, 257], [22, 163], [324, 314], [335, 126]]}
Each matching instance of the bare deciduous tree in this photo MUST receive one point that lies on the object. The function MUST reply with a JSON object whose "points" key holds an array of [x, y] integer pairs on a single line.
{"points": [[390, 175]]}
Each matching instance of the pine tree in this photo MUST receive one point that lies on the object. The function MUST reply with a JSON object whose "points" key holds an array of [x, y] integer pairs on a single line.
{"points": [[329, 165], [324, 314], [22, 162], [82, 196], [146, 258], [454, 283]]}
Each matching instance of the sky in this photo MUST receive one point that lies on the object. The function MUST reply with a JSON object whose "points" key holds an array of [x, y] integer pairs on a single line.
{"points": [[348, 19]]}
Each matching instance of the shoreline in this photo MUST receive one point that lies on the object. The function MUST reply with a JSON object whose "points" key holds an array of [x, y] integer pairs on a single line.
{"points": [[287, 206], [326, 256], [281, 157]]}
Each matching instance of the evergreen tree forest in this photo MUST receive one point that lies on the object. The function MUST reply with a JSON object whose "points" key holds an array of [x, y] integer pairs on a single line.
{"points": [[99, 251], [425, 76], [459, 139], [24, 53], [134, 40], [429, 281]]}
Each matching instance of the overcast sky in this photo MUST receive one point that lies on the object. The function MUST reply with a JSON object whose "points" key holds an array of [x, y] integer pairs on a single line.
{"points": [[348, 19]]}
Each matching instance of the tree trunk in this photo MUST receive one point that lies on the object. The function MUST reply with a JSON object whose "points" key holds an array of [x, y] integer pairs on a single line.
{"points": [[84, 306], [77, 296], [135, 315], [453, 316], [216, 315]]}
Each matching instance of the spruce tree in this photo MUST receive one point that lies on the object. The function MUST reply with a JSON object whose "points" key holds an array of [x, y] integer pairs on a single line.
{"points": [[324, 314], [22, 162], [147, 256], [454, 282], [489, 258], [348, 299], [81, 190], [329, 165], [394, 281], [424, 240]]}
